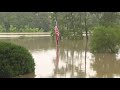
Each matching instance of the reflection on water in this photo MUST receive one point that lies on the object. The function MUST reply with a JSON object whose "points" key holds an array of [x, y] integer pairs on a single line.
{"points": [[44, 62], [56, 61], [106, 65], [69, 59]]}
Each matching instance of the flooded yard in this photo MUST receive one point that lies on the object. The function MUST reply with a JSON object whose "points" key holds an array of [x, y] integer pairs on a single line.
{"points": [[71, 59]]}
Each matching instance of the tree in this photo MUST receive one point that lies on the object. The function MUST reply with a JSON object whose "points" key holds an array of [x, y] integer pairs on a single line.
{"points": [[105, 39], [21, 19]]}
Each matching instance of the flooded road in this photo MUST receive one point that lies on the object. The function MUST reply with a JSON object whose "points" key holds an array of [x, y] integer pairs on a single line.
{"points": [[71, 59]]}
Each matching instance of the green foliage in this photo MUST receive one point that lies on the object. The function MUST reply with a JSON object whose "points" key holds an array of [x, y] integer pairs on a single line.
{"points": [[25, 29], [22, 19], [1, 28], [69, 24], [13, 29], [28, 29], [105, 39], [109, 18], [14, 60]]}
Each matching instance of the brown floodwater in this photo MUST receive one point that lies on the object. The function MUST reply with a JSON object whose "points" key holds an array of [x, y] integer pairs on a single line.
{"points": [[71, 59]]}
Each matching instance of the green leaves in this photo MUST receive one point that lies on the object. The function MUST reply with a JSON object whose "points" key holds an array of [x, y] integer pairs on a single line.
{"points": [[16, 21], [69, 24], [105, 39], [14, 60]]}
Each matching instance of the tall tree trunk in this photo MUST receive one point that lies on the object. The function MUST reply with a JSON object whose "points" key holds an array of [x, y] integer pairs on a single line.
{"points": [[81, 25], [86, 26]]}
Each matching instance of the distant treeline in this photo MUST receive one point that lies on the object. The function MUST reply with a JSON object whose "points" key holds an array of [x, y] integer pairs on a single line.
{"points": [[70, 24], [24, 22]]}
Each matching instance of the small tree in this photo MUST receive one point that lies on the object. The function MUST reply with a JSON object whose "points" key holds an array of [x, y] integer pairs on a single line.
{"points": [[105, 39]]}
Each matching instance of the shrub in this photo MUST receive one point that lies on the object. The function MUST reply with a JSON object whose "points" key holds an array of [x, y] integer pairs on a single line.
{"points": [[1, 28], [13, 29], [26, 28], [14, 60], [105, 39]]}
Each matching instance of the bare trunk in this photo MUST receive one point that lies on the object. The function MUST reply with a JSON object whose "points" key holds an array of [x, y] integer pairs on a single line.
{"points": [[86, 26]]}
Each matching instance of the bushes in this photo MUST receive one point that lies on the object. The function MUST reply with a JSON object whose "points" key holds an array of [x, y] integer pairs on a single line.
{"points": [[28, 29], [105, 39], [14, 60], [24, 29], [1, 28]]}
